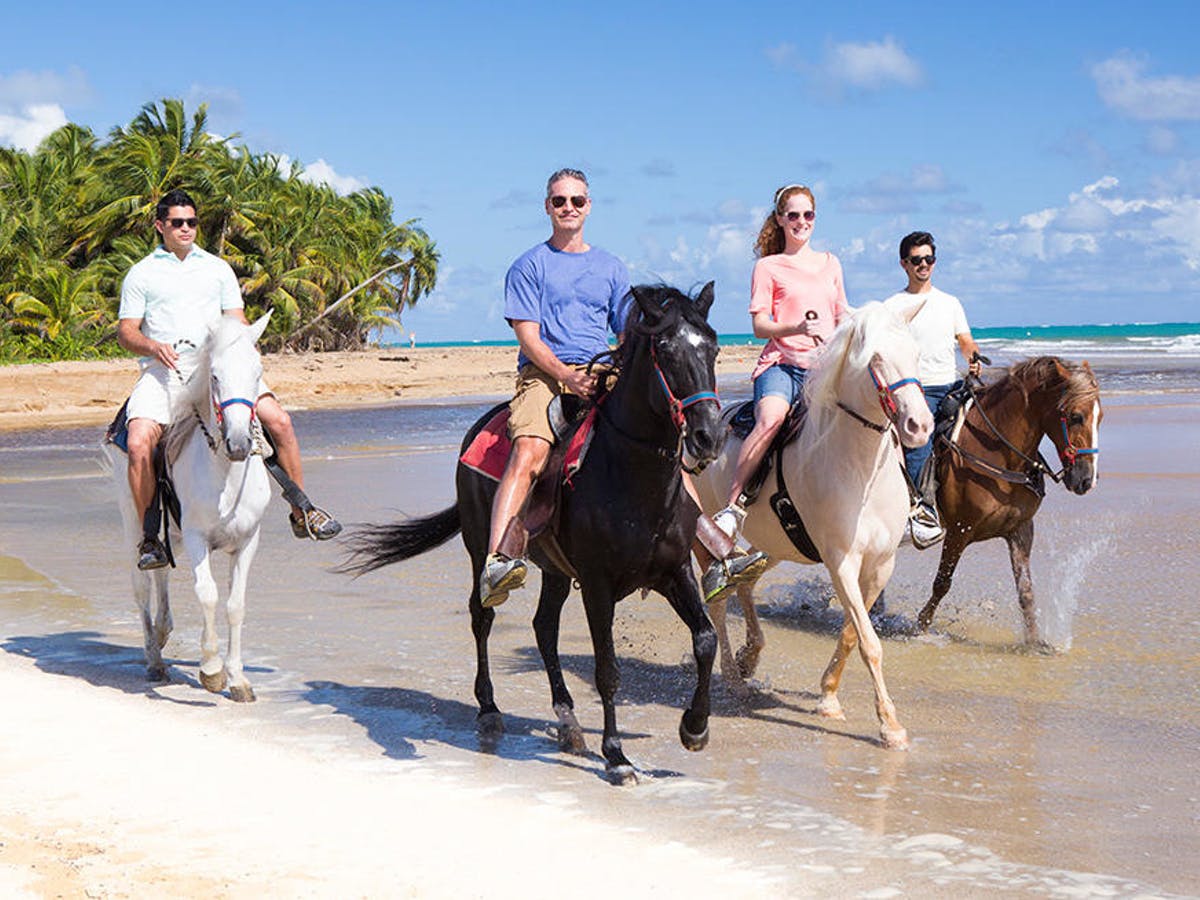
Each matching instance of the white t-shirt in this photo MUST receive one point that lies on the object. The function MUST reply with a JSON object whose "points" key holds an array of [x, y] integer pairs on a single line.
{"points": [[936, 328], [178, 299]]}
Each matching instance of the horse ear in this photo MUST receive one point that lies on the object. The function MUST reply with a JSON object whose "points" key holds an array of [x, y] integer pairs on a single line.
{"points": [[908, 313], [704, 302], [257, 329], [651, 309]]}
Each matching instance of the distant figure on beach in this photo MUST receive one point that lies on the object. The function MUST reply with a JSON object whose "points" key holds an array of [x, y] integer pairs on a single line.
{"points": [[797, 299], [562, 297], [938, 326], [168, 301], [412, 339]]}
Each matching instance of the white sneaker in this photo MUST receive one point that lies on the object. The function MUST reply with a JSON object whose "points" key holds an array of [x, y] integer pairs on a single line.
{"points": [[925, 535], [729, 520]]}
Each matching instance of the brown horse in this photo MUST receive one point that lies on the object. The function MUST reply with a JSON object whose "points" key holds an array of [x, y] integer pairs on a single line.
{"points": [[991, 477]]}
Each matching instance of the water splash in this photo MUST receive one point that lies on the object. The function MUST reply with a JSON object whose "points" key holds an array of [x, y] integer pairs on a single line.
{"points": [[1057, 604]]}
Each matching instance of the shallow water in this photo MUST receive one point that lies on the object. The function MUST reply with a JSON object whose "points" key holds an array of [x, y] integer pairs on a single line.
{"points": [[1072, 773]]}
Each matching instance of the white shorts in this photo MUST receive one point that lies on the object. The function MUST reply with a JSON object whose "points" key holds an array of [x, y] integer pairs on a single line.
{"points": [[156, 388]]}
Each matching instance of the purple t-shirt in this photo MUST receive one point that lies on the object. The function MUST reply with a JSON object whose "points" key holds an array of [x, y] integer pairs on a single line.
{"points": [[576, 299]]}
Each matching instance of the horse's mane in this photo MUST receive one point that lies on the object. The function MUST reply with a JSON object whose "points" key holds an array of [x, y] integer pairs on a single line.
{"points": [[1080, 387], [852, 345]]}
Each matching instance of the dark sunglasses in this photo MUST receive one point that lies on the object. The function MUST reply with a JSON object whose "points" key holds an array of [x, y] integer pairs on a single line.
{"points": [[915, 261], [794, 216], [558, 201], [179, 223]]}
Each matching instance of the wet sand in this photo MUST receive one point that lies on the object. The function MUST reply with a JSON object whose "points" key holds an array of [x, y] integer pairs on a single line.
{"points": [[358, 770]]}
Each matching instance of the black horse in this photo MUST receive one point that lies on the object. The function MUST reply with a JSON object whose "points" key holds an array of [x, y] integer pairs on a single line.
{"points": [[625, 521]]}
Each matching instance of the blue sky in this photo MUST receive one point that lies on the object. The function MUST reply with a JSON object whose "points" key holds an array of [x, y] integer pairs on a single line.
{"points": [[1052, 148]]}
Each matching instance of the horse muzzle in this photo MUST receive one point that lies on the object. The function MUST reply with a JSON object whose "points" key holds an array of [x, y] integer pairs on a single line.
{"points": [[1081, 476]]}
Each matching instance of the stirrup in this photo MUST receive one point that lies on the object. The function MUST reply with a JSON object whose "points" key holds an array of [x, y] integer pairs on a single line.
{"points": [[316, 524]]}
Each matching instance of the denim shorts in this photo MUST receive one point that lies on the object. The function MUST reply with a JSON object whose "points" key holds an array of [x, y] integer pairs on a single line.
{"points": [[780, 380]]}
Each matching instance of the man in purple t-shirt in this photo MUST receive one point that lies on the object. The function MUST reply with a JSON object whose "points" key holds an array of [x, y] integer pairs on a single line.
{"points": [[562, 298]]}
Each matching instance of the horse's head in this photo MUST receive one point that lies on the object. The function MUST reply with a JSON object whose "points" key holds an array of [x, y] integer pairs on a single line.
{"points": [[683, 352], [1074, 425], [236, 372], [873, 356]]}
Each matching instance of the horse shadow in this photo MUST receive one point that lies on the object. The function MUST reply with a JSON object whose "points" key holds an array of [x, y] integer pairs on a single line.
{"points": [[644, 682], [85, 656], [400, 719]]}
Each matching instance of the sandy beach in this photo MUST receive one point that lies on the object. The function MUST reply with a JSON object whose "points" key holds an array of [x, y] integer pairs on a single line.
{"points": [[358, 772], [38, 395]]}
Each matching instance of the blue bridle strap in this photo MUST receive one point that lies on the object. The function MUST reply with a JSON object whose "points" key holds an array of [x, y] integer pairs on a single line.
{"points": [[232, 400]]}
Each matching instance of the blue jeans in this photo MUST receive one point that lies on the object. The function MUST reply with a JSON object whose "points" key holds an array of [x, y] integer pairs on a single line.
{"points": [[914, 458], [780, 380]]}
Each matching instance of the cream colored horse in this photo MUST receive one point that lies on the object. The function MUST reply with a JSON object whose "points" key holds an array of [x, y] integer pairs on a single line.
{"points": [[223, 492], [844, 475]]}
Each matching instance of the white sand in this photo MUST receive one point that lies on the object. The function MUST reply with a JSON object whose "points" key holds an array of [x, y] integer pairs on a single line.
{"points": [[108, 794]]}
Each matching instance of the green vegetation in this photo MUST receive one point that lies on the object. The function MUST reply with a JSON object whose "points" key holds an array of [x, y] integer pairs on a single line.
{"points": [[78, 212]]}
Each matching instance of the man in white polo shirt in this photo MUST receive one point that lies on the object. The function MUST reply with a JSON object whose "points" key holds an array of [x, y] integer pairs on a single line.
{"points": [[168, 301], [938, 326]]}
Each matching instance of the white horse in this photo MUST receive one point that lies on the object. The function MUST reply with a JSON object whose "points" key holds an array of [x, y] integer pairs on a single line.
{"points": [[844, 475], [215, 458]]}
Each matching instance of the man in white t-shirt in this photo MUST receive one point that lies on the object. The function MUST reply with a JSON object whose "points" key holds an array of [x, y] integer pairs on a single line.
{"points": [[168, 301], [938, 326]]}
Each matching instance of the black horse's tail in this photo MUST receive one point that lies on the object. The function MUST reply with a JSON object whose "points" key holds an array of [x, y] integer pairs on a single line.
{"points": [[375, 546]]}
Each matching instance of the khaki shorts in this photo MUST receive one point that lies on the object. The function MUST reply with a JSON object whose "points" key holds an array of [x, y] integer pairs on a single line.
{"points": [[528, 409], [156, 388]]}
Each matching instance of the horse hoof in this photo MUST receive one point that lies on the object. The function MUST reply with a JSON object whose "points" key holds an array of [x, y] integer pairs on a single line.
{"points": [[570, 740], [214, 683], [156, 673], [693, 742], [241, 693], [747, 661], [830, 708], [490, 725], [894, 739], [623, 775]]}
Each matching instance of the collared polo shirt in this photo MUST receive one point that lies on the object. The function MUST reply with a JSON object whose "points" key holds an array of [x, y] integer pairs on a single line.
{"points": [[178, 299]]}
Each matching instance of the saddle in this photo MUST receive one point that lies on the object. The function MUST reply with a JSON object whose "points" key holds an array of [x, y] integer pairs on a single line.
{"points": [[572, 419], [165, 506], [741, 423]]}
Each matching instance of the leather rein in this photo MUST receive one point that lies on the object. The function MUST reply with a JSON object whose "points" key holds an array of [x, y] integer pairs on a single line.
{"points": [[1033, 478]]}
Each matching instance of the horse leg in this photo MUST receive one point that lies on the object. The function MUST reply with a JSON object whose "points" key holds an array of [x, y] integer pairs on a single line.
{"points": [[747, 656], [892, 733], [729, 666], [599, 606], [952, 550], [871, 582], [149, 590], [1020, 543], [212, 668], [684, 597], [546, 621], [235, 608]]}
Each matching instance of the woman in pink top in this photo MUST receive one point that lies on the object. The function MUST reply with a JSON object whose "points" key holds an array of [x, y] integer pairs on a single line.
{"points": [[797, 298]]}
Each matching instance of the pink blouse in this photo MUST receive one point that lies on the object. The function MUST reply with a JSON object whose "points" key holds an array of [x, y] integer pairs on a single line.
{"points": [[781, 288]]}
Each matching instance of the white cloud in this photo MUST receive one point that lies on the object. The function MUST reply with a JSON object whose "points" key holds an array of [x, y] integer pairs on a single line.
{"points": [[30, 125], [871, 66], [1123, 87], [322, 172]]}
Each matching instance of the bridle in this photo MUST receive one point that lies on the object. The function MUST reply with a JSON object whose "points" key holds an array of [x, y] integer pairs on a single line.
{"points": [[675, 404], [1070, 452], [1038, 467], [887, 401]]}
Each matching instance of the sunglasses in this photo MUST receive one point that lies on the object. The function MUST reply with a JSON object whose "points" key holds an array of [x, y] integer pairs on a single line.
{"points": [[794, 216], [915, 261], [179, 223], [579, 201]]}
